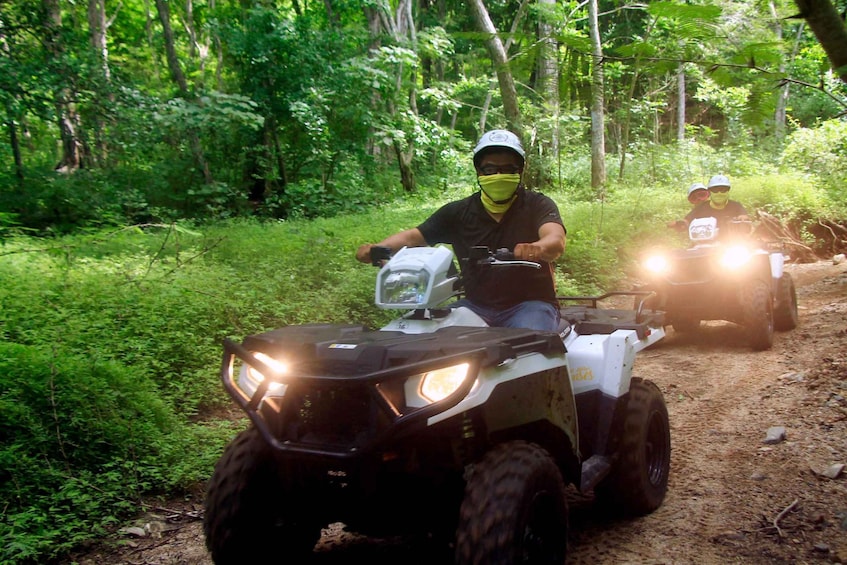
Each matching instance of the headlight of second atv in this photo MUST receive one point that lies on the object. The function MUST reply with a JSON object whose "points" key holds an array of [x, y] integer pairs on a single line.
{"points": [[736, 257], [433, 386], [656, 264], [251, 377]]}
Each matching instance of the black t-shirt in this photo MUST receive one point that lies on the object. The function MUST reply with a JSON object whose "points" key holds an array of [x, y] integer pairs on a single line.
{"points": [[732, 209], [465, 223]]}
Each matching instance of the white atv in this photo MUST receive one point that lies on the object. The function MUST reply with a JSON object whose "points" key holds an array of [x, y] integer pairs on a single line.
{"points": [[437, 423], [723, 276]]}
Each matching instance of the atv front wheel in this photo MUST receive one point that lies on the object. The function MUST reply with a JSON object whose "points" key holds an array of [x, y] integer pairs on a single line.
{"points": [[685, 324], [248, 516], [514, 510], [785, 311], [758, 315], [639, 478]]}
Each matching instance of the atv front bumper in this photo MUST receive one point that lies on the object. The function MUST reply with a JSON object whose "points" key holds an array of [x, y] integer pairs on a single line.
{"points": [[350, 391]]}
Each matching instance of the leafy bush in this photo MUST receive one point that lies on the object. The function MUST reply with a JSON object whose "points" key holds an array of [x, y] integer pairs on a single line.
{"points": [[81, 439], [820, 151]]}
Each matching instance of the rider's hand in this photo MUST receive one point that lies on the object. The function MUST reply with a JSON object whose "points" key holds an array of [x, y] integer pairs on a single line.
{"points": [[528, 252], [363, 254]]}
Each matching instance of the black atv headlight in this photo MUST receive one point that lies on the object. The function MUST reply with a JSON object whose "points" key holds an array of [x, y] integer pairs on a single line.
{"points": [[250, 377]]}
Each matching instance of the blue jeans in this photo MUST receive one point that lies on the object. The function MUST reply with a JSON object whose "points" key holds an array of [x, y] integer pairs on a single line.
{"points": [[532, 314]]}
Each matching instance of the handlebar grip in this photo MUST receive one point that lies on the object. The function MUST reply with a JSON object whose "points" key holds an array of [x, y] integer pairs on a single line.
{"points": [[379, 254]]}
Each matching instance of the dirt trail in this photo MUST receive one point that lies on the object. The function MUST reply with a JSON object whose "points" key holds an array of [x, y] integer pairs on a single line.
{"points": [[732, 498]]}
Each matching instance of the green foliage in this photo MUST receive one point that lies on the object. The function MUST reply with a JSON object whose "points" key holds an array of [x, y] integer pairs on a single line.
{"points": [[822, 152], [792, 196], [81, 439]]}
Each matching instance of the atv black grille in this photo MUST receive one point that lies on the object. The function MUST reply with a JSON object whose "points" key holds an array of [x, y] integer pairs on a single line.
{"points": [[341, 416], [691, 270]]}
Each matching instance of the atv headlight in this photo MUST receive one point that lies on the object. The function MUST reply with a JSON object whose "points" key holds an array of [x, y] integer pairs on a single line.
{"points": [[656, 264], [438, 385], [735, 257], [405, 287], [255, 377]]}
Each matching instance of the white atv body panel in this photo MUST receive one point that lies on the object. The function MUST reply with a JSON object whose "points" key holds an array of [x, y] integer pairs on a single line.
{"points": [[605, 361]]}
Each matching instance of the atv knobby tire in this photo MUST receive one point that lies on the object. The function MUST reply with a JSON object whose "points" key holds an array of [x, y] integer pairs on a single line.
{"points": [[785, 310], [248, 515], [639, 478], [757, 304], [514, 510]]}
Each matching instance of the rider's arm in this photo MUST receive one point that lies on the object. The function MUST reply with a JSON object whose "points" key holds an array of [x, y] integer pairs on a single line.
{"points": [[550, 244], [406, 238]]}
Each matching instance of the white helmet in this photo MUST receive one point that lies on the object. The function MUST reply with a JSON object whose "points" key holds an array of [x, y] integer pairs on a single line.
{"points": [[719, 180], [696, 186], [498, 138]]}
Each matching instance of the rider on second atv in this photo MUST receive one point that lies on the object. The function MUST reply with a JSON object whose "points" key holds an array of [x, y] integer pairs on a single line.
{"points": [[719, 206]]}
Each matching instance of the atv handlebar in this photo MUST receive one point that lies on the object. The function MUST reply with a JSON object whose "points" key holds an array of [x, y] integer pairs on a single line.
{"points": [[482, 256], [379, 254]]}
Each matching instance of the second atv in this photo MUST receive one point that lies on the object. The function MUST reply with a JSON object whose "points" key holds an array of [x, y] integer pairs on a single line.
{"points": [[723, 276]]}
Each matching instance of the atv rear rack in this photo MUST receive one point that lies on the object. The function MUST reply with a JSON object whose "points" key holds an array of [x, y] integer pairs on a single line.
{"points": [[591, 319]]}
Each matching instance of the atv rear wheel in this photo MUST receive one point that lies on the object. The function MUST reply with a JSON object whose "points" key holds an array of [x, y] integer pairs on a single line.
{"points": [[758, 315], [248, 514], [785, 311], [639, 478], [514, 510]]}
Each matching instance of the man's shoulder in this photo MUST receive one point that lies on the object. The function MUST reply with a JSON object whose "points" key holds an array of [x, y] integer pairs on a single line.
{"points": [[533, 197]]}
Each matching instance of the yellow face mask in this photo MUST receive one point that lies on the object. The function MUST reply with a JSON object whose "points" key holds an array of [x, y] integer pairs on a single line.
{"points": [[498, 191], [719, 199]]}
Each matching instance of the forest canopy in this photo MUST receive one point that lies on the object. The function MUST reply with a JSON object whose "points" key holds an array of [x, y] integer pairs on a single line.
{"points": [[128, 112]]}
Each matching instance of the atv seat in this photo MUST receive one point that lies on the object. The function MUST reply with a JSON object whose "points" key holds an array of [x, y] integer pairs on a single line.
{"points": [[590, 320]]}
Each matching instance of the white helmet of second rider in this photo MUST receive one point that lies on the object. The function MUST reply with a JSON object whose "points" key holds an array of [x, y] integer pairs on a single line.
{"points": [[719, 180]]}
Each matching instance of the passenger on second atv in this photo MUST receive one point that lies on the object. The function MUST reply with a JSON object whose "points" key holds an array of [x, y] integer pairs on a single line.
{"points": [[719, 206], [503, 213], [697, 193]]}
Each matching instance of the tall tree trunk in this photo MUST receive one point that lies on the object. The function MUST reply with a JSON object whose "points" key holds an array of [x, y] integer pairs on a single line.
{"points": [[497, 52], [828, 26], [400, 26], [680, 110], [782, 94], [14, 142], [148, 33], [182, 84], [16, 149], [548, 86], [66, 115], [98, 26], [627, 121], [598, 141], [170, 49]]}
